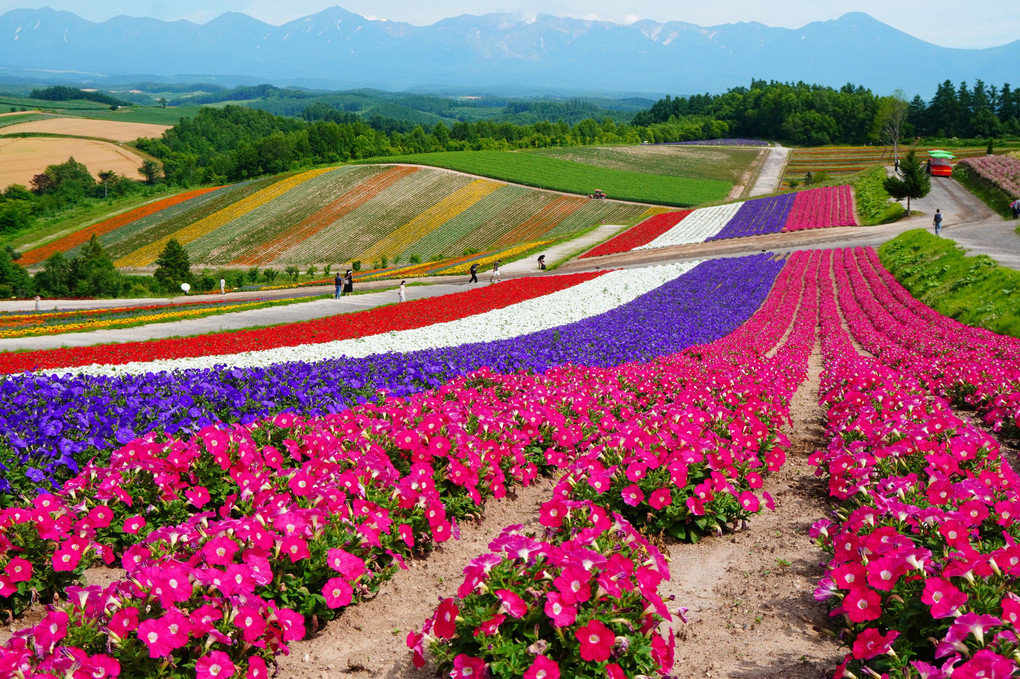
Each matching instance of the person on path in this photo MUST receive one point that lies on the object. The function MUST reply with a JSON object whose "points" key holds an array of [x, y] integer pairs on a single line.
{"points": [[338, 282], [937, 221], [349, 284], [1015, 205], [495, 272], [223, 286], [541, 262], [896, 166], [474, 273], [402, 292]]}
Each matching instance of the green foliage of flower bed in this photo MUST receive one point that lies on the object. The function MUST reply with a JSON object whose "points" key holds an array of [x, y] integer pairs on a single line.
{"points": [[873, 206], [544, 172], [973, 290]]}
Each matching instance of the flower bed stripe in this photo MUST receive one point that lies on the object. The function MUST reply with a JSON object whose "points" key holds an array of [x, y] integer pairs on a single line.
{"points": [[147, 255], [700, 225], [545, 219], [819, 208], [264, 253], [758, 216], [79, 237], [431, 218], [638, 235]]}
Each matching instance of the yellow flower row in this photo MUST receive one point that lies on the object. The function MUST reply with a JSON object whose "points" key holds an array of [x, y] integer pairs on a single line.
{"points": [[431, 219], [147, 255], [105, 324]]}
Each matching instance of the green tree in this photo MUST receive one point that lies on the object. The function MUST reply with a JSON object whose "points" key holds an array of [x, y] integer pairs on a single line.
{"points": [[913, 184], [173, 266], [253, 275], [293, 272], [14, 281], [55, 278], [891, 117], [151, 170], [105, 177], [269, 275], [92, 273]]}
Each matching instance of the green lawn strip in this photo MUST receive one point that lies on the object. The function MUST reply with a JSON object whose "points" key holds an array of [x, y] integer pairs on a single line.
{"points": [[532, 169], [30, 116], [973, 290], [231, 308], [151, 116]]}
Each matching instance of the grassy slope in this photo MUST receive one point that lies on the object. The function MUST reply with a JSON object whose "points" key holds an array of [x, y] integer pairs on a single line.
{"points": [[694, 162], [538, 170], [973, 290]]}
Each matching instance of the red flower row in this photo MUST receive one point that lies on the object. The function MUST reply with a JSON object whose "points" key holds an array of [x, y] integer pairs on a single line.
{"points": [[415, 314], [642, 234]]}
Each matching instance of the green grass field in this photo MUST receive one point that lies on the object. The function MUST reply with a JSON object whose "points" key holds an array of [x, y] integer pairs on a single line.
{"points": [[90, 109], [542, 171], [693, 162], [973, 290]]}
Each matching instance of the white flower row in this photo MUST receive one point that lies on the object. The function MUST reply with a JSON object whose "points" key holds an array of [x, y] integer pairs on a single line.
{"points": [[576, 303], [696, 227]]}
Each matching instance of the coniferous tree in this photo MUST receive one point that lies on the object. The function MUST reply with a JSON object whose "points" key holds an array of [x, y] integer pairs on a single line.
{"points": [[914, 182], [173, 266]]}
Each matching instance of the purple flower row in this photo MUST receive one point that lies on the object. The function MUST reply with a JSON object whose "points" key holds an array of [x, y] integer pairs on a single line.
{"points": [[50, 425], [758, 216]]}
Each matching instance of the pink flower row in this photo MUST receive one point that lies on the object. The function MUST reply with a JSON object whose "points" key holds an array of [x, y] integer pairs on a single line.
{"points": [[824, 207], [925, 542]]}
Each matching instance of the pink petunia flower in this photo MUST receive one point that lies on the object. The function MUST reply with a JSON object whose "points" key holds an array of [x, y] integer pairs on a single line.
{"points": [[749, 501], [861, 604], [561, 614], [596, 641], [18, 569], [257, 668], [986, 664], [512, 603], [250, 621], [338, 592], [543, 668], [490, 626], [345, 563], [216, 665], [467, 667], [133, 524], [943, 597], [445, 625], [660, 498], [574, 585], [871, 642], [632, 495]]}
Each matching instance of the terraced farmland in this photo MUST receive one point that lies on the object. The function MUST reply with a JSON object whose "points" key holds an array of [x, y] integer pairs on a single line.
{"points": [[338, 215], [840, 161]]}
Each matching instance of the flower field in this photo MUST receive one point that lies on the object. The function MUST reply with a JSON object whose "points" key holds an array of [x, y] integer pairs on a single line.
{"points": [[810, 209], [1003, 171], [249, 487], [337, 215]]}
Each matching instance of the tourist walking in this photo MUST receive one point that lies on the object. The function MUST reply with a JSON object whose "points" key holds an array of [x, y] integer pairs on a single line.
{"points": [[402, 292], [495, 273], [338, 282], [541, 262], [349, 284], [474, 273], [1015, 205], [937, 221], [223, 286]]}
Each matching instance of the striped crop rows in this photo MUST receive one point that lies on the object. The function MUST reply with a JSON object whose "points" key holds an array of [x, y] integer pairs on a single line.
{"points": [[337, 215]]}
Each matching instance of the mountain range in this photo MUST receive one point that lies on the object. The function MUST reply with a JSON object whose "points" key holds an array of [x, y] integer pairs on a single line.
{"points": [[495, 52]]}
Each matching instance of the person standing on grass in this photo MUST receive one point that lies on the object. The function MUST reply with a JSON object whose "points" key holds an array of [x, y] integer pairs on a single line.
{"points": [[937, 221], [338, 282], [495, 273], [474, 273], [402, 292]]}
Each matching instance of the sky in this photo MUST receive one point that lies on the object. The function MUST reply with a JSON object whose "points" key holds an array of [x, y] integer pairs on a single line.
{"points": [[947, 23]]}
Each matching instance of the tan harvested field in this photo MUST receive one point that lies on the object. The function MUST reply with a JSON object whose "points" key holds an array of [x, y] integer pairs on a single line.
{"points": [[23, 158], [85, 127]]}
